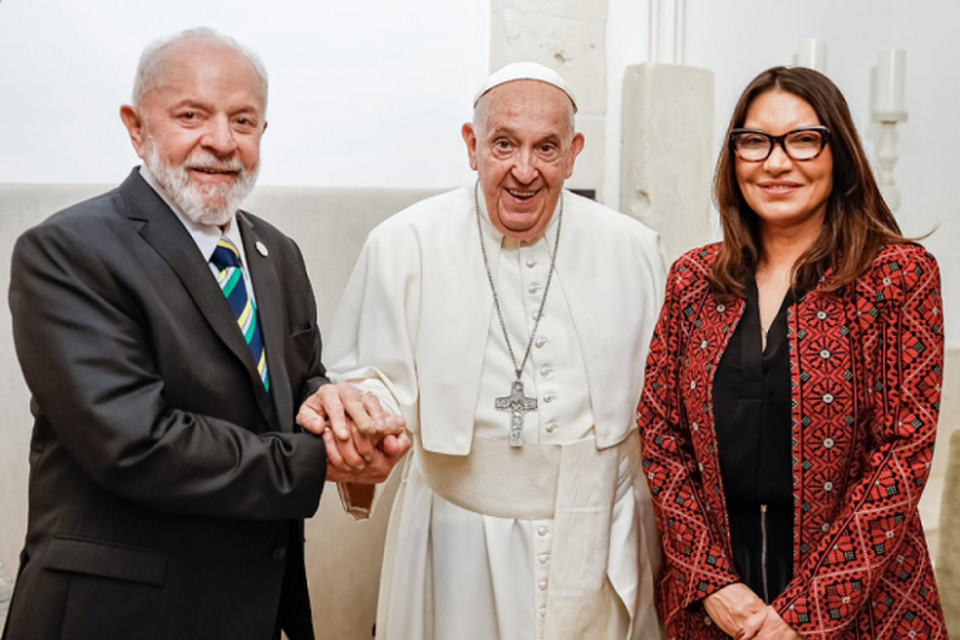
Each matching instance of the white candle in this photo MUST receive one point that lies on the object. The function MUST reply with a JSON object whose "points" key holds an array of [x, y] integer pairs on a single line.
{"points": [[891, 82], [812, 53]]}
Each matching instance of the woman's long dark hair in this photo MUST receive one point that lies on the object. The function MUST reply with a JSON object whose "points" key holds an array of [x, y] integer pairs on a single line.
{"points": [[857, 220]]}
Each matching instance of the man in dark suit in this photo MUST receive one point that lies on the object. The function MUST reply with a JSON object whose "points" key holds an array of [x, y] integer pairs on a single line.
{"points": [[169, 341]]}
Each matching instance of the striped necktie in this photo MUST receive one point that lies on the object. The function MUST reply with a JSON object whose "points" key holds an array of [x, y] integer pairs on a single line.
{"points": [[226, 258]]}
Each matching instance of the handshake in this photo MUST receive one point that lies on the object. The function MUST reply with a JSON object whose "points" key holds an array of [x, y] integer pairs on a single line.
{"points": [[363, 441]]}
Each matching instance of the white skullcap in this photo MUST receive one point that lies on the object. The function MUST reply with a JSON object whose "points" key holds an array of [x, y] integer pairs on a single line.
{"points": [[526, 71]]}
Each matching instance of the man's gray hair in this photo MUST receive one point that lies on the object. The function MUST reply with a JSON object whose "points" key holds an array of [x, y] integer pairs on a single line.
{"points": [[154, 57]]}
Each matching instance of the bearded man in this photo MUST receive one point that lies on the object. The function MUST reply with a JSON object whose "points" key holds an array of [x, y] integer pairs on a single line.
{"points": [[508, 322], [169, 340]]}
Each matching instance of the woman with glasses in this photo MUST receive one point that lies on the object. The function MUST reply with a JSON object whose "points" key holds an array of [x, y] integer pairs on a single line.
{"points": [[792, 390]]}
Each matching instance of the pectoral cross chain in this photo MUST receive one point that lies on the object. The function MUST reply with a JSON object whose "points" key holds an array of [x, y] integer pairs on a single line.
{"points": [[517, 404]]}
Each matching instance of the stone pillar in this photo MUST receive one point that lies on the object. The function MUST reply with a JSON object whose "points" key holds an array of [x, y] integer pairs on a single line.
{"points": [[666, 162], [570, 37]]}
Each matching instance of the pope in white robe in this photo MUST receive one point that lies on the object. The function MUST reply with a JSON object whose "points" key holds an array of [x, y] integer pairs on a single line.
{"points": [[554, 538]]}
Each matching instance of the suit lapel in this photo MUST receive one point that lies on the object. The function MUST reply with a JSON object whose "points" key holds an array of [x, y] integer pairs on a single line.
{"points": [[163, 231], [266, 286]]}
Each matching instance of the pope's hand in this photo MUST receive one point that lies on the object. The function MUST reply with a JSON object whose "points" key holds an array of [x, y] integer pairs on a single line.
{"points": [[385, 457], [353, 426]]}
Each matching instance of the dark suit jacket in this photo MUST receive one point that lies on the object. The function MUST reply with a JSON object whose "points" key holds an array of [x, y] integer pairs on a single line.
{"points": [[167, 487]]}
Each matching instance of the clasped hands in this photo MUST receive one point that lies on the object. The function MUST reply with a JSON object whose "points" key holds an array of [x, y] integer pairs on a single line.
{"points": [[742, 614], [363, 441]]}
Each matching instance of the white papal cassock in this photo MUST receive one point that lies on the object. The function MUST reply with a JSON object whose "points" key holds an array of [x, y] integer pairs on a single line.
{"points": [[556, 539]]}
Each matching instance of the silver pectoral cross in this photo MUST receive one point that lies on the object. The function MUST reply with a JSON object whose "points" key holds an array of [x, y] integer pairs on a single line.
{"points": [[517, 404]]}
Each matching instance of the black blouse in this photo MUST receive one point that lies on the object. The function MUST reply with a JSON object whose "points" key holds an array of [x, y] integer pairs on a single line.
{"points": [[751, 401]]}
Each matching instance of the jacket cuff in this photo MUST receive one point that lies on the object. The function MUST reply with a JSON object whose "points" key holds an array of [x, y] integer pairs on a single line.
{"points": [[716, 574]]}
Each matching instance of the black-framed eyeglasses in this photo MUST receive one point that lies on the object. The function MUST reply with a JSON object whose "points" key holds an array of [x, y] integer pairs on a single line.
{"points": [[805, 143]]}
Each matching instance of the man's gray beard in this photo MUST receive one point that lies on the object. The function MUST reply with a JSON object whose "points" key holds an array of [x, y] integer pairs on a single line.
{"points": [[212, 204]]}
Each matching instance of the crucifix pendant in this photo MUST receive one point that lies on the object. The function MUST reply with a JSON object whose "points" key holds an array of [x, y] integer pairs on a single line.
{"points": [[517, 404]]}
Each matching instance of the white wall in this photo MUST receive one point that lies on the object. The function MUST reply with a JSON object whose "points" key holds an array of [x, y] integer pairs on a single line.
{"points": [[739, 39], [365, 92]]}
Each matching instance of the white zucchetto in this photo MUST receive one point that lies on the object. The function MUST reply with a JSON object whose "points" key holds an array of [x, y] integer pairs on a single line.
{"points": [[526, 71]]}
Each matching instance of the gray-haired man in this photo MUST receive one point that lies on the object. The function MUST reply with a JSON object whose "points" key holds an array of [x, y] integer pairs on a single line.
{"points": [[169, 340]]}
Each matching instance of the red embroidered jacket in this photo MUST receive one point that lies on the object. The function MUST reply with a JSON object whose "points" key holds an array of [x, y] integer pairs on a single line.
{"points": [[866, 366]]}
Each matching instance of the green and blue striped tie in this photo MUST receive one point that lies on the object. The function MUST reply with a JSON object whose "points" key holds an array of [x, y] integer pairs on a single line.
{"points": [[226, 258]]}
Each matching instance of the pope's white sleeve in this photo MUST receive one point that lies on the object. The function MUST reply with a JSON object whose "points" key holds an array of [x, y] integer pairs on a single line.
{"points": [[372, 337]]}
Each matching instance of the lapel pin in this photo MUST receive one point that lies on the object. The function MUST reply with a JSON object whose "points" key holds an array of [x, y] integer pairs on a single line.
{"points": [[262, 249]]}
